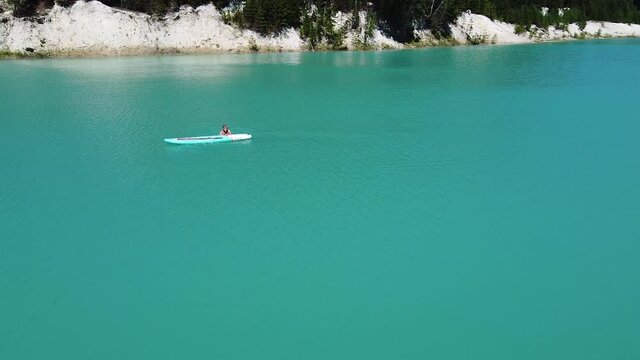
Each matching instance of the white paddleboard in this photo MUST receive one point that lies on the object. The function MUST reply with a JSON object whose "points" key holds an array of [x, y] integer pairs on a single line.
{"points": [[211, 139]]}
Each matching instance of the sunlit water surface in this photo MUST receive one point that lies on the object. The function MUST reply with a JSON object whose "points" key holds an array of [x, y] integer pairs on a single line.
{"points": [[450, 203]]}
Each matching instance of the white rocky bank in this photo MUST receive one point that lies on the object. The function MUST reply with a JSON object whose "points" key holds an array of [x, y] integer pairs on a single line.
{"points": [[93, 28], [473, 27]]}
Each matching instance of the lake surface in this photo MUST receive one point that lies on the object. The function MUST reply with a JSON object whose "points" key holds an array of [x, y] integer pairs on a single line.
{"points": [[448, 203]]}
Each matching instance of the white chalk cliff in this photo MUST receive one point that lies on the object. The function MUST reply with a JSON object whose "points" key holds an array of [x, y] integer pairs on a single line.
{"points": [[92, 28]]}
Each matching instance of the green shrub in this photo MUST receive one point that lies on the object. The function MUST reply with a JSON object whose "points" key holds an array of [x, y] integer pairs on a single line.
{"points": [[477, 39], [370, 26], [355, 20], [268, 16], [253, 46], [520, 29], [582, 24], [318, 29]]}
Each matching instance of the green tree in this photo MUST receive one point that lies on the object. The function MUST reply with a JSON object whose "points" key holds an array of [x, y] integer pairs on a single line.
{"points": [[23, 7]]}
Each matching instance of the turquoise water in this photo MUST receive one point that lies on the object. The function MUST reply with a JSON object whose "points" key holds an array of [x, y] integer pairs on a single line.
{"points": [[450, 203]]}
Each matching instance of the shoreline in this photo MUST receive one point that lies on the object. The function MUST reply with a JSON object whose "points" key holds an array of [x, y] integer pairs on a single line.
{"points": [[183, 52], [92, 29], [188, 52]]}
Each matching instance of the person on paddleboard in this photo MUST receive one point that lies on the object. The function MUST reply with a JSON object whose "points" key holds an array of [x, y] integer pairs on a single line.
{"points": [[225, 130]]}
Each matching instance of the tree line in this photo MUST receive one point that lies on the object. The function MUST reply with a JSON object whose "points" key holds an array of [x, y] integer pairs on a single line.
{"points": [[527, 12], [398, 18]]}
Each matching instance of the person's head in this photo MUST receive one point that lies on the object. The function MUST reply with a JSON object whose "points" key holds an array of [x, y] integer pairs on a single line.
{"points": [[225, 128]]}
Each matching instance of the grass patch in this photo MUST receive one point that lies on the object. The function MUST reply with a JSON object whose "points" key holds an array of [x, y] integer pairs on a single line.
{"points": [[434, 41], [362, 45], [6, 54]]}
